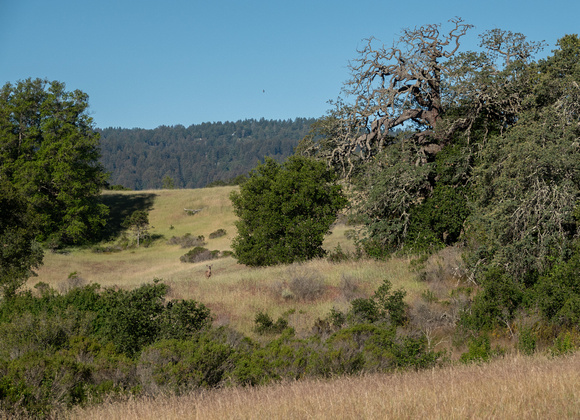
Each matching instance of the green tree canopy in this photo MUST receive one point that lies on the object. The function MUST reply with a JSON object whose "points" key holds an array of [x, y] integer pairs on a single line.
{"points": [[138, 222], [284, 211], [527, 181], [49, 151], [19, 252]]}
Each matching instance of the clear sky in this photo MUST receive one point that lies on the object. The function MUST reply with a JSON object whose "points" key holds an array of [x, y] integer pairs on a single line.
{"points": [[147, 63]]}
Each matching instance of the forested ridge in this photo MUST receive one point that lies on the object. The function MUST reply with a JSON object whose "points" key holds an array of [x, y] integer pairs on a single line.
{"points": [[197, 155]]}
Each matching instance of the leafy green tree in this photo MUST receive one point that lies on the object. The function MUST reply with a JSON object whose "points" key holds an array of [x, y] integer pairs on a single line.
{"points": [[528, 178], [138, 222], [19, 251], [284, 211], [522, 228], [49, 151], [411, 126], [168, 183]]}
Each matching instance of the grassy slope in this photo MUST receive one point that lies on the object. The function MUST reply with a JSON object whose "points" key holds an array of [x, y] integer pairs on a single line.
{"points": [[515, 387], [234, 293]]}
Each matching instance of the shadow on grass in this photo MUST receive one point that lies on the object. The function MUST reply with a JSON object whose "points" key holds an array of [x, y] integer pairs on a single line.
{"points": [[121, 206]]}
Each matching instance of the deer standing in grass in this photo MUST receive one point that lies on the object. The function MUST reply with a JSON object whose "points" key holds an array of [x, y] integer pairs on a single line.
{"points": [[208, 272]]}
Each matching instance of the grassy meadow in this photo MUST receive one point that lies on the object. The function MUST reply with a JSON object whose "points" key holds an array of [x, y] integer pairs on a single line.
{"points": [[514, 387], [234, 293], [509, 387]]}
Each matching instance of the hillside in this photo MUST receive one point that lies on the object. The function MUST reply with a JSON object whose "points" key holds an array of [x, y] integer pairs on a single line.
{"points": [[234, 293], [172, 372], [198, 155], [514, 387]]}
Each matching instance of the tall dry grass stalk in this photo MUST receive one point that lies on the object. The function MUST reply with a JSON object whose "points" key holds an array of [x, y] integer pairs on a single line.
{"points": [[511, 388]]}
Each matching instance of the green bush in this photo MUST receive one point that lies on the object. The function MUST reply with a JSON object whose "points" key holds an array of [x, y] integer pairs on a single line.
{"points": [[558, 292], [497, 303], [527, 341], [181, 365], [217, 234], [199, 254], [285, 211], [479, 350], [384, 305], [564, 343], [265, 324], [182, 319]]}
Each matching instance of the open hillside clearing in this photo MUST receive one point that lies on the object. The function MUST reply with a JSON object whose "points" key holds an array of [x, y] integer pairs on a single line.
{"points": [[510, 387], [513, 387], [234, 293]]}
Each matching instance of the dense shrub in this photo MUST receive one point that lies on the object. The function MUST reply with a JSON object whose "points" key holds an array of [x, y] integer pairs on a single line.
{"points": [[479, 350], [384, 305], [60, 350], [181, 365], [199, 254], [265, 324], [217, 234]]}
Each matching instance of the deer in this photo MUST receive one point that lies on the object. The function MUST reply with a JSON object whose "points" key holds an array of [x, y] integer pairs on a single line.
{"points": [[208, 271]]}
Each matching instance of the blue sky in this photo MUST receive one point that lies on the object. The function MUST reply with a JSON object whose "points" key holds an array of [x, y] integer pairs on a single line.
{"points": [[149, 63]]}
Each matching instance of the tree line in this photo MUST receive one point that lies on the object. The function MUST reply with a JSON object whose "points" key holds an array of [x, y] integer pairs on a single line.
{"points": [[198, 155]]}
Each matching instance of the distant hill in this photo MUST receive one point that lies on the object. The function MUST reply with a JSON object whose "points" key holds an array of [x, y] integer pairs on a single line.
{"points": [[198, 155]]}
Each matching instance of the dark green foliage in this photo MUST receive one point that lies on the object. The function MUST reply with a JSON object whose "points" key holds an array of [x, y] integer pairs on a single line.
{"points": [[60, 350], [49, 151], [527, 341], [117, 187], [219, 153], [527, 185], [138, 223], [479, 350], [19, 252], [558, 292], [182, 319], [168, 183], [363, 310], [264, 324], [384, 305], [417, 208], [285, 211], [130, 320], [497, 303], [217, 234], [179, 366]]}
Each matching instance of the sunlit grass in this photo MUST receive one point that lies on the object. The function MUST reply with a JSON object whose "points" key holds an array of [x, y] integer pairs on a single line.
{"points": [[515, 387], [235, 293]]}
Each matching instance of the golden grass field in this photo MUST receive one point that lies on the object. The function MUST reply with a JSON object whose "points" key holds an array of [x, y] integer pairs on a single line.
{"points": [[234, 293], [514, 387]]}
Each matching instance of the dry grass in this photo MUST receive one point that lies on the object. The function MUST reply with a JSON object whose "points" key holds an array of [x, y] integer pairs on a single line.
{"points": [[511, 388], [234, 293]]}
